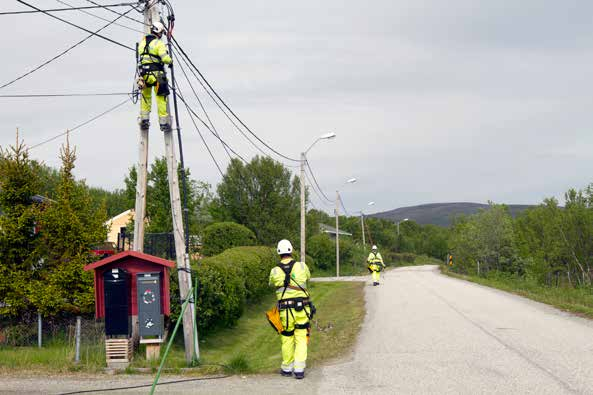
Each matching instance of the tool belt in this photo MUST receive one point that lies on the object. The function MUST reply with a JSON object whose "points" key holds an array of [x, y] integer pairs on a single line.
{"points": [[150, 67], [293, 303]]}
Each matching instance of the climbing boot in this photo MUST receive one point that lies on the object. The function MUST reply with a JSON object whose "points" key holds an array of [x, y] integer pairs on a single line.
{"points": [[165, 123], [299, 375], [144, 123], [284, 373]]}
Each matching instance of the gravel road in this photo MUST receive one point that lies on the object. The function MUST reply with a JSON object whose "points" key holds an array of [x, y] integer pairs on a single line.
{"points": [[424, 333]]}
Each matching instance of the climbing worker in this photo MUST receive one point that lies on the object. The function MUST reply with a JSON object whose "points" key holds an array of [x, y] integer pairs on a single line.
{"points": [[295, 309], [152, 58], [375, 262]]}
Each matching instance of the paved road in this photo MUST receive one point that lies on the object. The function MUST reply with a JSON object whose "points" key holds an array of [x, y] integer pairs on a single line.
{"points": [[424, 333]]}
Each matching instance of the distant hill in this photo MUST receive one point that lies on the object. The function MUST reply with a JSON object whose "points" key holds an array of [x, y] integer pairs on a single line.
{"points": [[440, 213]]}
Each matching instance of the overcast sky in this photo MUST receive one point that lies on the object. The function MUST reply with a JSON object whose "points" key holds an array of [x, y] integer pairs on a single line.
{"points": [[431, 100]]}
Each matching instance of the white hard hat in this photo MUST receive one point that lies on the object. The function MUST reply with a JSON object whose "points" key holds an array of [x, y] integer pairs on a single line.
{"points": [[157, 28], [374, 247], [284, 247]]}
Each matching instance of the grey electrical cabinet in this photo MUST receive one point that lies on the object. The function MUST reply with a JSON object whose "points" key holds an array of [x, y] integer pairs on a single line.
{"points": [[150, 316]]}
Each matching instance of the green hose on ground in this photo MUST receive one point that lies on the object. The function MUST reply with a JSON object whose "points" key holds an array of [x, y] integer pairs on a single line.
{"points": [[158, 374]]}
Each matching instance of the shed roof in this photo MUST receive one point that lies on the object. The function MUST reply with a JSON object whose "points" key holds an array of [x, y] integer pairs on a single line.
{"points": [[133, 254]]}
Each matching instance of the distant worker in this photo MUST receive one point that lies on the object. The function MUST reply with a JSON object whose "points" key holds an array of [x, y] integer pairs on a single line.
{"points": [[152, 58], [295, 310], [375, 262]]}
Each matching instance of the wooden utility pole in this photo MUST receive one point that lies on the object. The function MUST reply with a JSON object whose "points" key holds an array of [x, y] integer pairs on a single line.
{"points": [[152, 14], [337, 234], [303, 209]]}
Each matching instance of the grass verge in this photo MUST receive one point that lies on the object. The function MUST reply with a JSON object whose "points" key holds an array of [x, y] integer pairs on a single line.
{"points": [[250, 347], [575, 300]]}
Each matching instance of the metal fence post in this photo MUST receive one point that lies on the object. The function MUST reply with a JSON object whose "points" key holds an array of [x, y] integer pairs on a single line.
{"points": [[39, 331], [77, 354]]}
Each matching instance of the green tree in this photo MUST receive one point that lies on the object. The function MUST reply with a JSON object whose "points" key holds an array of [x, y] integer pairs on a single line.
{"points": [[260, 196], [158, 201], [18, 264], [69, 227]]}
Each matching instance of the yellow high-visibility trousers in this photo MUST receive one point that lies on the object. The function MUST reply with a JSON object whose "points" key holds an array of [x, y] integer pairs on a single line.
{"points": [[294, 348], [376, 276], [146, 103]]}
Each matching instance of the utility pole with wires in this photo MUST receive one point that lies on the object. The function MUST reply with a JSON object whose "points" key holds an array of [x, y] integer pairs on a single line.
{"points": [[152, 14], [337, 234]]}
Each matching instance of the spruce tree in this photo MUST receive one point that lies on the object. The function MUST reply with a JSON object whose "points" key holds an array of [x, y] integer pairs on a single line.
{"points": [[18, 239], [70, 227]]}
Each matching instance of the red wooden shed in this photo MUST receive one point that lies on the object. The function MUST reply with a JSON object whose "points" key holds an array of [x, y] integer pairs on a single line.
{"points": [[133, 262]]}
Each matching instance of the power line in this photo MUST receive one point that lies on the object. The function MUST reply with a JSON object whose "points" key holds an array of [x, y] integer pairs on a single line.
{"points": [[342, 204], [79, 27], [100, 17], [180, 94], [65, 9], [220, 107], [61, 53], [82, 124], [117, 13], [210, 130], [226, 106], [199, 101], [315, 191], [315, 180], [43, 95]]}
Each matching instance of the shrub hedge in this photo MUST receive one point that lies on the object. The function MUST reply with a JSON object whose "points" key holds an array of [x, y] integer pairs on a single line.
{"points": [[227, 282], [221, 236]]}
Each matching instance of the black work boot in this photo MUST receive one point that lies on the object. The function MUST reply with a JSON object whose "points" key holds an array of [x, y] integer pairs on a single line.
{"points": [[299, 375], [284, 373], [144, 124]]}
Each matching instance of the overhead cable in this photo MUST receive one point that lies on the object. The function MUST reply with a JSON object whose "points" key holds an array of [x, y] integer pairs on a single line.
{"points": [[66, 9], [101, 18], [117, 13], [315, 180], [186, 61], [61, 53], [79, 27], [82, 124], [210, 130], [227, 107], [199, 101], [180, 94], [43, 95], [315, 191]]}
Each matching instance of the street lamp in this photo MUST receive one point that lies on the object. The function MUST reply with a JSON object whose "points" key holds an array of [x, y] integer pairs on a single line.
{"points": [[326, 136], [404, 220], [362, 225], [349, 181]]}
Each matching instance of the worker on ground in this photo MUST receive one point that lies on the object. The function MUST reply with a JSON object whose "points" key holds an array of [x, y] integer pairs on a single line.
{"points": [[295, 308], [375, 262], [152, 58]]}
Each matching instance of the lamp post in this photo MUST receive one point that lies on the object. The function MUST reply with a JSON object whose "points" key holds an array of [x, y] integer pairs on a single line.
{"points": [[350, 181], [362, 226], [326, 136], [399, 222]]}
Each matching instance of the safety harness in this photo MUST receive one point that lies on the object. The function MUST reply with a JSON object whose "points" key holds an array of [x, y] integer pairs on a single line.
{"points": [[155, 68], [376, 262], [298, 304]]}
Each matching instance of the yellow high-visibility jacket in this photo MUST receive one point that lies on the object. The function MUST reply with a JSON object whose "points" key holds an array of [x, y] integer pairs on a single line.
{"points": [[375, 258], [299, 275], [157, 51]]}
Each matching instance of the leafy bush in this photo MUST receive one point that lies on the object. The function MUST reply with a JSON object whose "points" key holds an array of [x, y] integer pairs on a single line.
{"points": [[221, 236], [400, 258], [226, 283], [323, 251]]}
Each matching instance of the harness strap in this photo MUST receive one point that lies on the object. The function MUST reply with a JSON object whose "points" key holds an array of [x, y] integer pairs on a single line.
{"points": [[287, 333], [302, 326]]}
